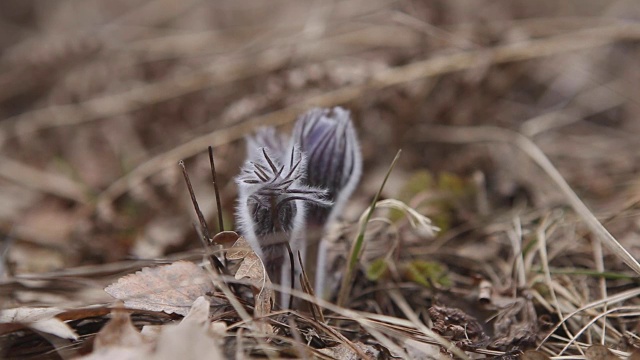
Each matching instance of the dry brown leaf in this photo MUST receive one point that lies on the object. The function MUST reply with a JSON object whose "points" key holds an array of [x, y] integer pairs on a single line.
{"points": [[118, 332], [40, 319], [599, 352], [194, 338], [119, 339], [225, 237], [170, 288], [253, 269], [239, 250]]}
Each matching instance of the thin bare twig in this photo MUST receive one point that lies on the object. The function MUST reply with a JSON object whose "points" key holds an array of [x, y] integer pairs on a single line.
{"points": [[194, 201], [216, 189]]}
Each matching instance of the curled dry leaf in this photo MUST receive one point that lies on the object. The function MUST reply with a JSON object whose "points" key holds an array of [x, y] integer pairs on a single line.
{"points": [[239, 250], [253, 269], [39, 319], [118, 332], [225, 238], [119, 339], [170, 288], [195, 337]]}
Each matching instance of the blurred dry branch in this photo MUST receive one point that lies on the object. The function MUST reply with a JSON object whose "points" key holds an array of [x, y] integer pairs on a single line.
{"points": [[43, 181], [579, 40]]}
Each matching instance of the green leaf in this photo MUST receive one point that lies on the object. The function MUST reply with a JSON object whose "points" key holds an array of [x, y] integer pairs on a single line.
{"points": [[427, 272], [358, 244], [377, 269]]}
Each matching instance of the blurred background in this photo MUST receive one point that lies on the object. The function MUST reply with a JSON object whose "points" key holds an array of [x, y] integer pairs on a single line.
{"points": [[99, 99]]}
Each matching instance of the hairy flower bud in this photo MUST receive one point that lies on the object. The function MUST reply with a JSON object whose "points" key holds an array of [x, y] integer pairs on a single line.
{"points": [[334, 161], [289, 194], [271, 207], [267, 137]]}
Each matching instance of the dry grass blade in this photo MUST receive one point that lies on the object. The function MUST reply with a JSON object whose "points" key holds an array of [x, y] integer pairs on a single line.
{"points": [[494, 134], [542, 249], [358, 317], [629, 294], [603, 315], [219, 72], [316, 311], [137, 98]]}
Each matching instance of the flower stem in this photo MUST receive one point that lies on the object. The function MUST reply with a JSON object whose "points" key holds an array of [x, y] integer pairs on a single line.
{"points": [[358, 244]]}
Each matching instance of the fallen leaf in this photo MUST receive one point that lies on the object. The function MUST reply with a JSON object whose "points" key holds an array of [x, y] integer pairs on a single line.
{"points": [[40, 319], [253, 269], [239, 250], [599, 352], [225, 237], [119, 339], [118, 332], [194, 338], [170, 288]]}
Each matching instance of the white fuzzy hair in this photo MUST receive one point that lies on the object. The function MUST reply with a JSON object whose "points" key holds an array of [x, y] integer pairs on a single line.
{"points": [[264, 179]]}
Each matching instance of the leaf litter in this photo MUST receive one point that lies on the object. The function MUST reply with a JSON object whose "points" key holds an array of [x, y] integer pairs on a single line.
{"points": [[512, 261], [194, 337], [170, 288]]}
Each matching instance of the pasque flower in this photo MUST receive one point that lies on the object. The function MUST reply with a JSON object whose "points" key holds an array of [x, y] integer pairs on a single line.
{"points": [[287, 190], [271, 207], [330, 142], [334, 161]]}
